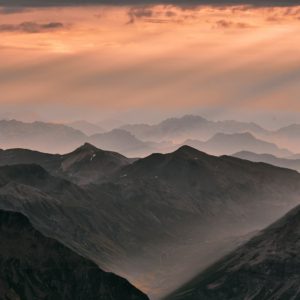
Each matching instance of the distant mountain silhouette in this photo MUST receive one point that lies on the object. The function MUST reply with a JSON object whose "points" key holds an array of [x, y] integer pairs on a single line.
{"points": [[193, 127], [267, 267], [33, 266], [145, 217], [222, 143], [55, 138], [121, 141], [86, 127], [190, 126], [288, 136], [294, 156], [270, 159], [141, 140], [292, 131], [40, 136]]}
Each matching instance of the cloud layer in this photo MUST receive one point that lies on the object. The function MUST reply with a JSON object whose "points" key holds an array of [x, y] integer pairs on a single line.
{"points": [[147, 61], [31, 27], [49, 3]]}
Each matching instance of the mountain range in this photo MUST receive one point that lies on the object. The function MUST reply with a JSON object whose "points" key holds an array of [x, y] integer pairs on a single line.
{"points": [[156, 221], [270, 159], [33, 266], [266, 267], [142, 139], [189, 126], [86, 127], [222, 143], [57, 138], [39, 136], [84, 165], [195, 127]]}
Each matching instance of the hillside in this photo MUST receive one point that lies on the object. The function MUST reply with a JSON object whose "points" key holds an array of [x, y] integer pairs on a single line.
{"points": [[43, 268], [267, 267]]}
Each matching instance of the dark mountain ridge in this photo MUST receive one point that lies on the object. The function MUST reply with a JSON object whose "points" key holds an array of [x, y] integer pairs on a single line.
{"points": [[84, 165], [33, 266], [159, 220], [266, 267]]}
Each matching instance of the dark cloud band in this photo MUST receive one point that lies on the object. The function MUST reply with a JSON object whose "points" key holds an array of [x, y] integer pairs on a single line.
{"points": [[30, 27], [53, 3]]}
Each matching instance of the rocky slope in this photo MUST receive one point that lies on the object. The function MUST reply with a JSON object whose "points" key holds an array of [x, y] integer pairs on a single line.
{"points": [[33, 266], [267, 267], [159, 220], [84, 165]]}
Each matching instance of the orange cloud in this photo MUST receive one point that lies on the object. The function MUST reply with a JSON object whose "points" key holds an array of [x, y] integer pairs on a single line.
{"points": [[167, 58]]}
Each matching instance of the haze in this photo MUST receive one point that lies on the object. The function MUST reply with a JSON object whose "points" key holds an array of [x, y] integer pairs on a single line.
{"points": [[147, 62]]}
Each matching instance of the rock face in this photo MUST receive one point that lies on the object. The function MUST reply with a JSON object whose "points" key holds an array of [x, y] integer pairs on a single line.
{"points": [[267, 267], [158, 221], [33, 266], [84, 165]]}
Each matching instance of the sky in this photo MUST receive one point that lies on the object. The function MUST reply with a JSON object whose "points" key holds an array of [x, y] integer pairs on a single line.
{"points": [[145, 61]]}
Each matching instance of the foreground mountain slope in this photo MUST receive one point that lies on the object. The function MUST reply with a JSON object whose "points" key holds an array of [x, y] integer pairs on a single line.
{"points": [[267, 267], [33, 266], [270, 159], [222, 143], [160, 220], [211, 200]]}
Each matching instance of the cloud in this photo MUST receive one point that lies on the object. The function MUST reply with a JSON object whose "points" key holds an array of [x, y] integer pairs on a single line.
{"points": [[53, 3], [31, 27], [229, 24], [11, 10], [139, 12], [159, 14]]}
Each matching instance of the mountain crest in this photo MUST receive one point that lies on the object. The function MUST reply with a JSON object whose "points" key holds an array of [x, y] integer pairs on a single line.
{"points": [[188, 150], [87, 146]]}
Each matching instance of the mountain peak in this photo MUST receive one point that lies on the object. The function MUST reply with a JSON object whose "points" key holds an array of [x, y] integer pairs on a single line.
{"points": [[188, 150], [87, 146]]}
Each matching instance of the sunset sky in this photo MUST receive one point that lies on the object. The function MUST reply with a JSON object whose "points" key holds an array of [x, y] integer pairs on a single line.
{"points": [[145, 62]]}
